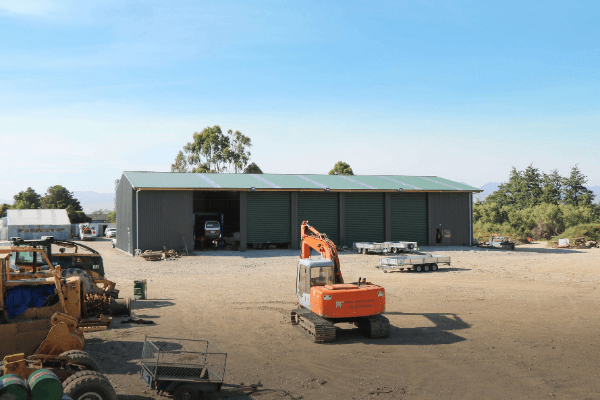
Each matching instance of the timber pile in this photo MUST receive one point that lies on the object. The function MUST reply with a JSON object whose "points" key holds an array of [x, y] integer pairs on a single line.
{"points": [[578, 243], [150, 255], [96, 304]]}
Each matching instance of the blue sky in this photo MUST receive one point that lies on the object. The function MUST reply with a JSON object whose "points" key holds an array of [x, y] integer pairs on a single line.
{"points": [[459, 89]]}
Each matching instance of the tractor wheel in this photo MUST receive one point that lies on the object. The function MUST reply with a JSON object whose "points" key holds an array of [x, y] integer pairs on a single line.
{"points": [[86, 281], [185, 392], [89, 385], [82, 358]]}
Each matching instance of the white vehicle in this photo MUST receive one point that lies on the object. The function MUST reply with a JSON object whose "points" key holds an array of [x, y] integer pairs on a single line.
{"points": [[110, 232], [86, 232]]}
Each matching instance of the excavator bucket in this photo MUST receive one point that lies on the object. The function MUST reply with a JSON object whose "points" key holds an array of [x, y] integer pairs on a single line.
{"points": [[63, 336]]}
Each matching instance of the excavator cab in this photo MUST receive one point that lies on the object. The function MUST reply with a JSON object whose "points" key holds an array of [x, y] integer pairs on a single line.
{"points": [[312, 272]]}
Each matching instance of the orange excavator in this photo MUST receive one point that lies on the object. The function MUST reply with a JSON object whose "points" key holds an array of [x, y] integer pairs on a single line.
{"points": [[325, 299]]}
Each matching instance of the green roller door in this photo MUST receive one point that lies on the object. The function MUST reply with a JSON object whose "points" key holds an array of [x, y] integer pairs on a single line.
{"points": [[365, 221], [321, 210], [409, 217], [268, 217]]}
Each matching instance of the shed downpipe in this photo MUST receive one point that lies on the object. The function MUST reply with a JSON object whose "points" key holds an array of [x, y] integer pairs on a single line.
{"points": [[471, 220], [137, 222]]}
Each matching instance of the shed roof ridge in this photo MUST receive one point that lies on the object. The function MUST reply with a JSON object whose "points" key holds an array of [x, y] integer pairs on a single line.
{"points": [[400, 182], [357, 182], [311, 181], [268, 182], [441, 183]]}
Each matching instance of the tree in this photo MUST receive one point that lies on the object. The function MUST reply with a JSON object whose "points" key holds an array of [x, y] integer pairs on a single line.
{"points": [[523, 189], [252, 169], [58, 197], [27, 200], [551, 192], [112, 217], [213, 151], [341, 168], [3, 208], [574, 192]]}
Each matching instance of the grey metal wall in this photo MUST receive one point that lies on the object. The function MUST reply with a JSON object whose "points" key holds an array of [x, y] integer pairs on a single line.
{"points": [[30, 232], [450, 212], [322, 211], [364, 217], [409, 217], [125, 207], [165, 219], [268, 217]]}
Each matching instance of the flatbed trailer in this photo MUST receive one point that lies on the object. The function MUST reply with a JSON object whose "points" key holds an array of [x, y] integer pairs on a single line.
{"points": [[418, 263], [385, 247]]}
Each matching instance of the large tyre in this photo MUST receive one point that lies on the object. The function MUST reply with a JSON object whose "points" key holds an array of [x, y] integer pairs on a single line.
{"points": [[418, 268], [185, 392], [89, 385], [426, 267], [80, 357], [86, 281]]}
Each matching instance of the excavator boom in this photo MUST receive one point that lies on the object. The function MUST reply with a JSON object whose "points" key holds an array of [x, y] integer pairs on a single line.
{"points": [[313, 239]]}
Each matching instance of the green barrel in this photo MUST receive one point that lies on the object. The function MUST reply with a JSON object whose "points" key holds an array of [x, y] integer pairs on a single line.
{"points": [[45, 385], [13, 387], [139, 289]]}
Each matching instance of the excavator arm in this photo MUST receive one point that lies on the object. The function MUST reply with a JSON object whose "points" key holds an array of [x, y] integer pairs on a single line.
{"points": [[313, 239]]}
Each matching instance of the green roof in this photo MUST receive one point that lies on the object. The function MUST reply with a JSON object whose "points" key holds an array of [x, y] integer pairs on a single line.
{"points": [[177, 180]]}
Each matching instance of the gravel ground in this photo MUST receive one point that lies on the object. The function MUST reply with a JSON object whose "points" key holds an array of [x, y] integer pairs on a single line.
{"points": [[495, 324]]}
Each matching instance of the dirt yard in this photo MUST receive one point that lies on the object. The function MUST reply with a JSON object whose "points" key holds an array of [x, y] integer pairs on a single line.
{"points": [[495, 325]]}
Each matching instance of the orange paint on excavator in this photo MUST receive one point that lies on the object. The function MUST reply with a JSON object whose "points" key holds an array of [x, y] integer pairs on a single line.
{"points": [[320, 288]]}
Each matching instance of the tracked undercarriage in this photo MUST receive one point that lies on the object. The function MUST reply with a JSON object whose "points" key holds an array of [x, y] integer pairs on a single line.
{"points": [[322, 330]]}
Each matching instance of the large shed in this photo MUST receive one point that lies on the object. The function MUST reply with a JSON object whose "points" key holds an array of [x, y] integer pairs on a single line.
{"points": [[156, 209], [33, 224]]}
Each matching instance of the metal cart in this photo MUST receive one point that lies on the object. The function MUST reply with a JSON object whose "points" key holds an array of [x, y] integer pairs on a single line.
{"points": [[182, 367], [385, 247], [418, 263]]}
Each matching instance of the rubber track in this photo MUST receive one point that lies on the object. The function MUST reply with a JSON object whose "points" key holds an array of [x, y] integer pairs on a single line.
{"points": [[319, 329], [375, 327]]}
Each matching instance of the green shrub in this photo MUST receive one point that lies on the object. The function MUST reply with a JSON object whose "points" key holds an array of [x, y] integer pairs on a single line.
{"points": [[591, 231]]}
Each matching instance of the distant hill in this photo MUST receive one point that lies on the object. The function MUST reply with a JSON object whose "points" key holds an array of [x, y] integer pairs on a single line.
{"points": [[91, 201], [596, 190], [488, 189]]}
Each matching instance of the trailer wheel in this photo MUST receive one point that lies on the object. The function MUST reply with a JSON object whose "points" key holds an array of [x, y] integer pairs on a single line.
{"points": [[82, 358], [89, 385], [364, 251], [418, 268], [434, 267], [185, 392], [426, 267]]}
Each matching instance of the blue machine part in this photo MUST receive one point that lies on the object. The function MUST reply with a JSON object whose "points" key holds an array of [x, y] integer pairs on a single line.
{"points": [[20, 298]]}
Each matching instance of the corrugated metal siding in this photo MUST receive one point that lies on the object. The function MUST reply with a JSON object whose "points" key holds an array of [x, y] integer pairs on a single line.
{"points": [[450, 211], [165, 219], [125, 207], [365, 220], [321, 210], [268, 217], [409, 217]]}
